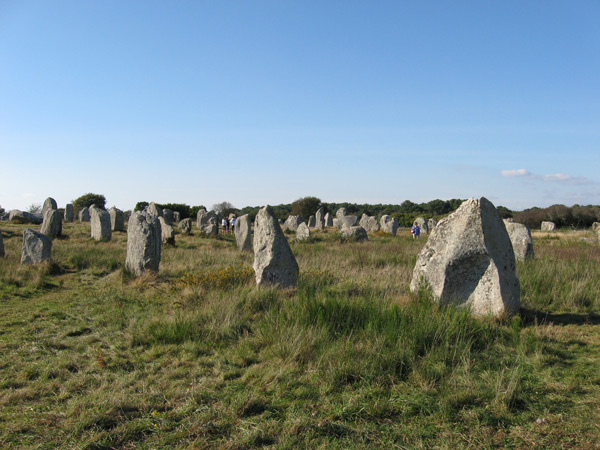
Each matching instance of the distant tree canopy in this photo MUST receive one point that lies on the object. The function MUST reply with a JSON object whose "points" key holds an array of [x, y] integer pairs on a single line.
{"points": [[306, 206], [576, 216], [184, 210], [87, 200]]}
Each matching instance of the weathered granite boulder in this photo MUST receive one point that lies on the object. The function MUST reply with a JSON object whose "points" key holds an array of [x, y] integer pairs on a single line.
{"points": [[176, 216], [274, 262], [328, 220], [303, 232], [1, 246], [320, 219], [207, 222], [69, 213], [49, 204], [369, 223], [185, 226], [143, 243], [153, 208], [168, 216], [292, 222], [354, 234], [346, 221], [166, 231], [52, 224], [548, 226], [19, 216], [243, 235], [117, 219], [311, 222], [422, 225], [469, 261], [100, 224], [389, 224], [37, 247], [84, 214], [520, 238], [341, 212], [431, 223]]}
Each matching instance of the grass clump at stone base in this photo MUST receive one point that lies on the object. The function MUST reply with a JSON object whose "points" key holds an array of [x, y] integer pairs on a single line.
{"points": [[198, 357]]}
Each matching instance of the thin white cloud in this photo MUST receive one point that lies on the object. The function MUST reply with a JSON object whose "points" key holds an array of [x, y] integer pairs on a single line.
{"points": [[562, 178]]}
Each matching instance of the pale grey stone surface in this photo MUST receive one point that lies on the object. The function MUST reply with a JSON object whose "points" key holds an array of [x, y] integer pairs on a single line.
{"points": [[185, 226], [469, 261], [346, 221], [369, 223], [69, 213], [389, 224], [292, 222], [84, 215], [303, 232], [19, 216], [320, 219], [328, 220], [243, 234], [143, 243], [154, 209], [596, 226], [207, 222], [176, 216], [354, 234], [168, 216], [117, 219], [100, 224], [520, 237], [431, 223], [167, 232], [422, 225], [52, 224], [49, 204], [274, 262], [312, 222], [341, 212], [548, 226], [37, 247]]}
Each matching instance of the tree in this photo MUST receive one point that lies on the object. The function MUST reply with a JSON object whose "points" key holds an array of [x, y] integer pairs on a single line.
{"points": [[34, 208], [87, 200], [139, 206], [306, 206], [220, 207]]}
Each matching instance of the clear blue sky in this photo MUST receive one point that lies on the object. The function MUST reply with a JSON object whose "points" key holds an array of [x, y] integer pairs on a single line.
{"points": [[257, 102]]}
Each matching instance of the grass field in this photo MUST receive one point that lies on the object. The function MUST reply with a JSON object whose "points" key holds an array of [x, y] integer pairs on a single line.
{"points": [[198, 357]]}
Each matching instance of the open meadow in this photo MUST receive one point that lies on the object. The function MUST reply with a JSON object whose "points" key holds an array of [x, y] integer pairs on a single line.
{"points": [[198, 357]]}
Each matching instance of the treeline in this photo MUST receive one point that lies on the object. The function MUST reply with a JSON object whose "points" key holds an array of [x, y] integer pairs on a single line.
{"points": [[575, 216], [184, 210]]}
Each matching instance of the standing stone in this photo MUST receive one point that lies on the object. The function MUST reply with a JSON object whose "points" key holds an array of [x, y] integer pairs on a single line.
{"points": [[185, 226], [320, 219], [596, 226], [274, 262], [358, 234], [548, 226], [153, 208], [292, 222], [207, 222], [168, 216], [1, 246], [328, 220], [389, 225], [52, 224], [84, 214], [117, 219], [143, 243], [422, 225], [369, 223], [166, 231], [520, 238], [340, 213], [69, 213], [345, 221], [303, 232], [176, 216], [100, 224], [469, 261], [49, 204], [312, 222], [431, 223], [243, 235], [37, 247]]}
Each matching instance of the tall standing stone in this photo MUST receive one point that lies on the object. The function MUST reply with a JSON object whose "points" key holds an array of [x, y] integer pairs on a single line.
{"points": [[274, 262], [328, 220], [176, 216], [388, 224], [292, 223], [243, 235], [37, 247], [49, 204], [117, 219], [207, 222], [143, 243], [154, 209], [303, 232], [69, 213], [100, 224], [312, 222], [422, 225], [520, 238], [185, 226], [52, 224], [320, 219], [469, 260], [168, 216], [166, 231], [369, 223], [548, 226], [84, 214], [341, 212]]}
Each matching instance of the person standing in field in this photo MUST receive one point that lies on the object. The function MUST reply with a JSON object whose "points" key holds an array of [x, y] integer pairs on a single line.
{"points": [[415, 230], [225, 225], [233, 224]]}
